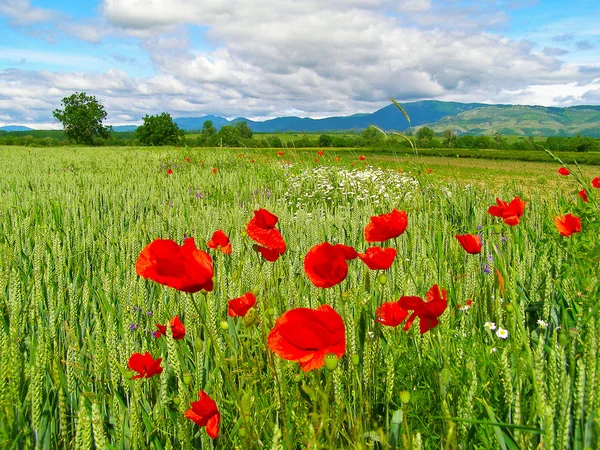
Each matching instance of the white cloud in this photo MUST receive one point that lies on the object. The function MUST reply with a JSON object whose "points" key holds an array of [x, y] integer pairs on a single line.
{"points": [[21, 12]]}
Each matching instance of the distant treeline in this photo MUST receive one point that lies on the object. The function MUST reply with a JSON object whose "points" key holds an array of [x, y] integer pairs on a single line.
{"points": [[231, 136]]}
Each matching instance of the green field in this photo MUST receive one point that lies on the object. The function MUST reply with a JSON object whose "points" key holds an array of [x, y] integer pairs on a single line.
{"points": [[73, 310]]}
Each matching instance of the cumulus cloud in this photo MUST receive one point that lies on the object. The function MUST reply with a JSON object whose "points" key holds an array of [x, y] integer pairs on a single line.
{"points": [[21, 12]]}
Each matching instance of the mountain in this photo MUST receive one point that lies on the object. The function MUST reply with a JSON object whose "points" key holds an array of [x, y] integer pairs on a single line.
{"points": [[524, 121], [15, 128], [195, 123], [124, 128]]}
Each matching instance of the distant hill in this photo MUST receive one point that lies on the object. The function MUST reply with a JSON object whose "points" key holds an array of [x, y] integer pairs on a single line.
{"points": [[15, 128], [124, 128], [524, 121]]}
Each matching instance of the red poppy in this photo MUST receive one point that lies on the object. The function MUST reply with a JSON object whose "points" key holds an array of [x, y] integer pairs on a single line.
{"points": [[177, 328], [583, 195], [467, 306], [161, 329], [280, 153], [205, 413], [427, 311], [170, 172], [220, 241], [596, 182], [316, 159], [184, 268], [386, 226], [308, 335], [472, 244], [336, 158], [567, 225], [377, 258], [145, 364], [509, 212], [391, 314], [362, 158], [251, 160], [564, 171], [261, 229], [325, 264], [321, 153], [238, 307], [187, 159]]}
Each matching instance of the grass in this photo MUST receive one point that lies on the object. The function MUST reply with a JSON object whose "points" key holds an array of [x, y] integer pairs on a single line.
{"points": [[75, 220]]}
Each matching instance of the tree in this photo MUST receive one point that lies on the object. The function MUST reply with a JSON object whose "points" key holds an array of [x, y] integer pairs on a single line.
{"points": [[158, 130], [244, 129], [229, 136], [82, 118], [325, 140], [208, 129], [424, 135], [449, 139]]}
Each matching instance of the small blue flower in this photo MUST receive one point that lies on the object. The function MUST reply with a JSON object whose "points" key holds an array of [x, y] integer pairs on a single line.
{"points": [[479, 227], [133, 327], [490, 258], [135, 308], [487, 269], [149, 313]]}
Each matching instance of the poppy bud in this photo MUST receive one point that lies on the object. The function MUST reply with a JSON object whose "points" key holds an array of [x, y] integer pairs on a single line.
{"points": [[331, 361], [242, 432], [256, 290], [224, 325], [204, 292], [510, 308], [251, 317], [176, 400], [187, 378], [355, 359], [345, 295], [383, 279], [497, 228], [129, 374], [307, 390], [298, 378], [270, 311], [244, 233], [405, 397], [563, 340]]}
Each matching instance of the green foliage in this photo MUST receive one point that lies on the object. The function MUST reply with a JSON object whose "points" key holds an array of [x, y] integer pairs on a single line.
{"points": [[208, 129], [325, 140], [228, 136], [158, 130], [82, 116], [244, 129], [424, 136]]}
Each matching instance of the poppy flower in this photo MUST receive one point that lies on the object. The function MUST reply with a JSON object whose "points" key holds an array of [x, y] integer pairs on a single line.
{"points": [[386, 226], [145, 365], [377, 258], [205, 413], [583, 195], [280, 153], [568, 224], [177, 328], [564, 171], [466, 307], [391, 314], [170, 172], [362, 158], [214, 170], [308, 335], [509, 212], [427, 311], [238, 307], [187, 159], [471, 244], [261, 229], [220, 241], [161, 329], [321, 153], [596, 182], [325, 264], [183, 268]]}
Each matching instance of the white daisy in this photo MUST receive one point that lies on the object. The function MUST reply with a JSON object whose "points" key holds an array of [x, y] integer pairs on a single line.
{"points": [[490, 325], [502, 333], [543, 324]]}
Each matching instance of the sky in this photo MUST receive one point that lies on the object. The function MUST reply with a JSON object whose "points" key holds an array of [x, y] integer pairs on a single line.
{"points": [[267, 58]]}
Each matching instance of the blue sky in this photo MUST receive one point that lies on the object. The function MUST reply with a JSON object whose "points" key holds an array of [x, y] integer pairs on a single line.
{"points": [[267, 58]]}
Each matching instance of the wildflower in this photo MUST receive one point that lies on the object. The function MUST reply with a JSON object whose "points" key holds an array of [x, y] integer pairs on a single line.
{"points": [[568, 224], [133, 327], [170, 172], [509, 212], [187, 160], [493, 350], [391, 314], [325, 264], [377, 258], [149, 313], [136, 309], [177, 328], [205, 413], [307, 335], [480, 227], [489, 326], [427, 311], [471, 244], [184, 268], [564, 171], [466, 307], [261, 229], [543, 324], [386, 226], [238, 307], [502, 333], [596, 182], [214, 170], [583, 195], [145, 365], [487, 269], [280, 153], [321, 153], [362, 158], [220, 241], [161, 329]]}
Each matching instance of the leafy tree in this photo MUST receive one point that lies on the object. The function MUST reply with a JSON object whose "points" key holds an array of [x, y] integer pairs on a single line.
{"points": [[228, 136], [244, 129], [82, 118], [208, 129], [158, 130], [325, 140], [449, 139], [424, 135]]}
